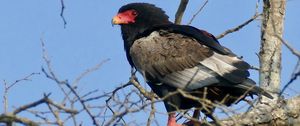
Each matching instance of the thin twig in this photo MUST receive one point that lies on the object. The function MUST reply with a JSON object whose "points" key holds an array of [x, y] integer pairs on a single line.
{"points": [[27, 78], [46, 100], [296, 72], [194, 16], [88, 71], [85, 73], [62, 12], [31, 105], [39, 115], [111, 94], [53, 77], [56, 115], [293, 78], [51, 74], [95, 122], [7, 87], [60, 107], [5, 93], [238, 27], [293, 50], [126, 111], [152, 112], [255, 16]]}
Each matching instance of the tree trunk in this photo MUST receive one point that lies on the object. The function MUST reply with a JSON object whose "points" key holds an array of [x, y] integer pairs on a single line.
{"points": [[276, 111], [270, 51]]}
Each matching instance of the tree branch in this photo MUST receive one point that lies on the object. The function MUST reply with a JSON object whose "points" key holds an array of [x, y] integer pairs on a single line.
{"points": [[30, 105], [285, 113], [146, 94], [295, 75], [289, 46], [9, 118], [62, 12], [180, 11], [194, 16], [238, 27], [296, 72]]}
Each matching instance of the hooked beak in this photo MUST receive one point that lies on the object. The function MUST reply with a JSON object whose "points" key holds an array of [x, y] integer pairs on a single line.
{"points": [[122, 18], [116, 20]]}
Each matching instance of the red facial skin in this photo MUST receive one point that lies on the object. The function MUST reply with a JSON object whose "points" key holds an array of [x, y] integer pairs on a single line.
{"points": [[126, 17]]}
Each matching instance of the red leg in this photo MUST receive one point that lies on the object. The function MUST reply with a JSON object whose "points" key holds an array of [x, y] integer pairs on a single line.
{"points": [[172, 120]]}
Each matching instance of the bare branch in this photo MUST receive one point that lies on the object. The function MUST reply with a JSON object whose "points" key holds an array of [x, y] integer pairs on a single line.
{"points": [[296, 72], [27, 78], [30, 105], [85, 73], [51, 74], [126, 111], [5, 93], [46, 100], [39, 115], [293, 50], [152, 112], [194, 16], [62, 12], [9, 118], [180, 11], [95, 122], [112, 93], [238, 27], [56, 115], [293, 78], [146, 94], [88, 71], [60, 107], [7, 87]]}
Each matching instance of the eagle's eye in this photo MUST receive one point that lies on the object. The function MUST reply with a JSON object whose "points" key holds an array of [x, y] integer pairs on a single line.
{"points": [[134, 13]]}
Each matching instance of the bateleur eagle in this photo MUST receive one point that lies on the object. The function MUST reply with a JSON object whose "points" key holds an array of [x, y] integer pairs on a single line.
{"points": [[172, 57]]}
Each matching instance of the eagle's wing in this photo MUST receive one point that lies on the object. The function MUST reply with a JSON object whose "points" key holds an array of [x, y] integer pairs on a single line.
{"points": [[183, 61], [201, 36]]}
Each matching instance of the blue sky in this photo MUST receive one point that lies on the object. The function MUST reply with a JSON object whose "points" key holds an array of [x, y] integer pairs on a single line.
{"points": [[89, 38]]}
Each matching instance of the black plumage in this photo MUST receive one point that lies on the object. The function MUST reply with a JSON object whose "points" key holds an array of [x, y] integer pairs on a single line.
{"points": [[172, 57]]}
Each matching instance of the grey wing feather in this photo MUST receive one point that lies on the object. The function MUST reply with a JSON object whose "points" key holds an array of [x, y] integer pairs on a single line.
{"points": [[223, 66], [182, 62], [191, 78]]}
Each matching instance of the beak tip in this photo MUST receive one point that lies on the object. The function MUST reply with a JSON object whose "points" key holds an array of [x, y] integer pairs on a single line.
{"points": [[112, 22]]}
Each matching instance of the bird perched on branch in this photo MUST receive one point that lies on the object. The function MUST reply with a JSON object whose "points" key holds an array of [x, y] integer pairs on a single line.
{"points": [[183, 59]]}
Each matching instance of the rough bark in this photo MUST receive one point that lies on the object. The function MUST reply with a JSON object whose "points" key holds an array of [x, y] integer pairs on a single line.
{"points": [[270, 58], [270, 51], [273, 110], [284, 113]]}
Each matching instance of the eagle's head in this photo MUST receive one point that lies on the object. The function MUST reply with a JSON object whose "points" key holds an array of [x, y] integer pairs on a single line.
{"points": [[135, 18], [140, 14]]}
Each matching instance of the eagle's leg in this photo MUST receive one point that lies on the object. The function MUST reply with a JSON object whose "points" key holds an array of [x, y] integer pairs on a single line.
{"points": [[172, 120]]}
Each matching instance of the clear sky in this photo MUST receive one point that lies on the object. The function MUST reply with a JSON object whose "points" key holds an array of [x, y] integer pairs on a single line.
{"points": [[89, 38]]}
